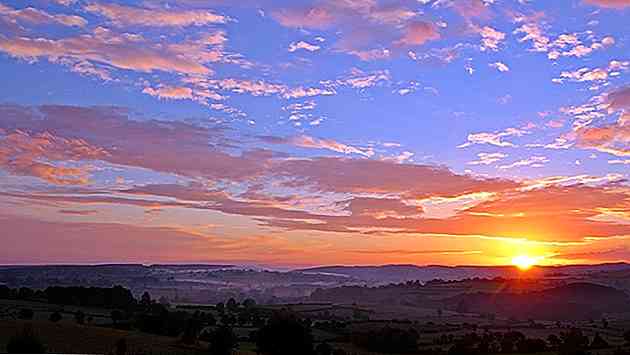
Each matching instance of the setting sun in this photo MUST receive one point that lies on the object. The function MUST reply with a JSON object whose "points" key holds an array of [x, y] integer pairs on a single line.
{"points": [[524, 262]]}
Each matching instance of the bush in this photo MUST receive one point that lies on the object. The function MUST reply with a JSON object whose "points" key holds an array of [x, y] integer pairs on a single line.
{"points": [[223, 341], [25, 342], [285, 334]]}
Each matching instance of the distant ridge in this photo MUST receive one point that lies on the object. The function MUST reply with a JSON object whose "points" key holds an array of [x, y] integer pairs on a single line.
{"points": [[406, 272]]}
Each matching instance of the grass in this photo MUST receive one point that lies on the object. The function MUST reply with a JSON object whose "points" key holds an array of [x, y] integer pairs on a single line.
{"points": [[74, 338]]}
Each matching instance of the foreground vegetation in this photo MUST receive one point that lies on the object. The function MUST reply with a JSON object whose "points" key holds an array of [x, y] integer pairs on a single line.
{"points": [[112, 321]]}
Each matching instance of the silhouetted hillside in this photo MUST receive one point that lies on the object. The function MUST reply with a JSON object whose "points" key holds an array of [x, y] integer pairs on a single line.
{"points": [[577, 301]]}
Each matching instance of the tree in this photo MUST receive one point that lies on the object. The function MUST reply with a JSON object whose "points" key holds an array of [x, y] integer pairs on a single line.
{"points": [[285, 334], [116, 316], [223, 341], [121, 346], [220, 307], [323, 349], [145, 300], [553, 340], [26, 314], [574, 342], [599, 342], [232, 305], [79, 317], [191, 332], [249, 303], [55, 317], [25, 342]]}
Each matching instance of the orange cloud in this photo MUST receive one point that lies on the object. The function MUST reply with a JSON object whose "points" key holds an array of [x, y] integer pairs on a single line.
{"points": [[613, 138]]}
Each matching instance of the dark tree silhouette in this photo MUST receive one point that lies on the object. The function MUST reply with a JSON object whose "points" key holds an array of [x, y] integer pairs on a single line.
{"points": [[574, 342], [79, 317], [249, 303], [223, 341], [116, 316], [232, 305], [25, 342], [121, 347], [323, 349], [26, 313], [599, 342], [285, 334], [55, 317]]}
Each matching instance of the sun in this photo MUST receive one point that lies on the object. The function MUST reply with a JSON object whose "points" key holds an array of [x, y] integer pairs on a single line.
{"points": [[524, 262]]}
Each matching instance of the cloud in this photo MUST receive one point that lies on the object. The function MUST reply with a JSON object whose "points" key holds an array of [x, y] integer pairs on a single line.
{"points": [[376, 176], [500, 66], [558, 143], [368, 29], [39, 154], [294, 46], [332, 194], [120, 51], [126, 15], [534, 162], [565, 45], [619, 99], [611, 4], [585, 74], [314, 17], [470, 8], [305, 141], [39, 17], [170, 92], [94, 242], [494, 138], [490, 37], [487, 158], [109, 134], [418, 33], [613, 138]]}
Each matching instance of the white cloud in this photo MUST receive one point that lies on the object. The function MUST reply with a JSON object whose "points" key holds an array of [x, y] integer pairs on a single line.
{"points": [[303, 45], [502, 67]]}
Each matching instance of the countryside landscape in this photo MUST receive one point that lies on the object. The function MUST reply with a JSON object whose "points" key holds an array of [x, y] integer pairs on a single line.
{"points": [[315, 177]]}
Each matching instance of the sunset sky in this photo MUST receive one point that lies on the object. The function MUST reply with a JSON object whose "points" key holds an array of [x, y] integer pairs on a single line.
{"points": [[296, 133]]}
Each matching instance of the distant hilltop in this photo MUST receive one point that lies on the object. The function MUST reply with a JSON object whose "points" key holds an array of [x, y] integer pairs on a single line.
{"points": [[406, 272]]}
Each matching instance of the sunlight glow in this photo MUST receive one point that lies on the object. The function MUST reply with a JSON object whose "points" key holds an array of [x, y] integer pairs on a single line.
{"points": [[525, 262]]}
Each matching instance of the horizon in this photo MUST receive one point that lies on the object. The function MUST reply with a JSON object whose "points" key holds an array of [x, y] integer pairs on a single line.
{"points": [[294, 134]]}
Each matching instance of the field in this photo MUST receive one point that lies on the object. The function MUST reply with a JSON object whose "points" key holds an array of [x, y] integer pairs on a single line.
{"points": [[66, 336]]}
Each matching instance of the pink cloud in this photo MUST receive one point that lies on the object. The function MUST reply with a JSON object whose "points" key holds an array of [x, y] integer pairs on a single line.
{"points": [[313, 17], [38, 17], [418, 33], [471, 8], [104, 46], [611, 4], [612, 138], [305, 141], [126, 15]]}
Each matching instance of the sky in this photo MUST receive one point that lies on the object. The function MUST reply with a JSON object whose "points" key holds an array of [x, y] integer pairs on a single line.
{"points": [[297, 133]]}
